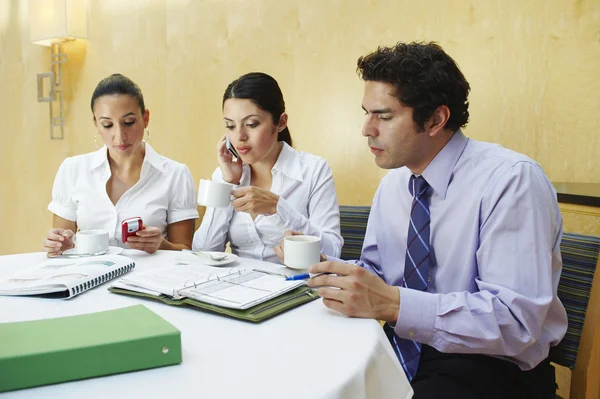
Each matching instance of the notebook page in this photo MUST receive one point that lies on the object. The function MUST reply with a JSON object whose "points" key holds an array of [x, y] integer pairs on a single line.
{"points": [[241, 290], [57, 274], [168, 280]]}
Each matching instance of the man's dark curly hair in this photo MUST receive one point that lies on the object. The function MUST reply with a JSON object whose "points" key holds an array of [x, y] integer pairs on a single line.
{"points": [[425, 77]]}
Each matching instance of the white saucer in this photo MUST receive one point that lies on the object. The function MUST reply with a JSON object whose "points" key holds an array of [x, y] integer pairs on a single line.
{"points": [[188, 257], [73, 253]]}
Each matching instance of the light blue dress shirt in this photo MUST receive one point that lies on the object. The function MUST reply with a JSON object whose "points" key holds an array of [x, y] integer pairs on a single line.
{"points": [[495, 235]]}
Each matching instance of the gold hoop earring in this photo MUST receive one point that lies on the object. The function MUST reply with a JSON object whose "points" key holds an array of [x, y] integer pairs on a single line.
{"points": [[95, 141], [147, 140]]}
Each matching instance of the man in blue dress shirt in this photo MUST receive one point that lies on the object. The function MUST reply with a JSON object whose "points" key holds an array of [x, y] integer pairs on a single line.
{"points": [[461, 256]]}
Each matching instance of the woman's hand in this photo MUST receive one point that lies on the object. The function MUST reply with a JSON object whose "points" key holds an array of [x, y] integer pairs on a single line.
{"points": [[232, 171], [147, 239], [254, 200], [57, 241]]}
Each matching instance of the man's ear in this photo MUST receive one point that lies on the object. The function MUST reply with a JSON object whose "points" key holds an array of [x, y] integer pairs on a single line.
{"points": [[437, 121]]}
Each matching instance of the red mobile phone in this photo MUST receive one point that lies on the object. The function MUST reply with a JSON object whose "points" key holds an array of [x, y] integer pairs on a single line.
{"points": [[129, 227]]}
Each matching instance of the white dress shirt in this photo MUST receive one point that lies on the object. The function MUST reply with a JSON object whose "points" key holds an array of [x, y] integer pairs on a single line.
{"points": [[164, 194], [307, 203]]}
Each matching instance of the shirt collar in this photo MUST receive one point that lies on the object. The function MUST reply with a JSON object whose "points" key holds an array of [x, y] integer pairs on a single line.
{"points": [[153, 158], [439, 171], [100, 157], [288, 163]]}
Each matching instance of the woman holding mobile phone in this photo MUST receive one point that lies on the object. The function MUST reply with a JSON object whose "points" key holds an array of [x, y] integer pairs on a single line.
{"points": [[125, 178], [277, 188]]}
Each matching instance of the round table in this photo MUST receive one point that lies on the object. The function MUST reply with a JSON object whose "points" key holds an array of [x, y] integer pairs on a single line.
{"points": [[307, 352]]}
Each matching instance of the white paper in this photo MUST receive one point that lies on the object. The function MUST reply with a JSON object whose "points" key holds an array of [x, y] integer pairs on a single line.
{"points": [[60, 274], [237, 289]]}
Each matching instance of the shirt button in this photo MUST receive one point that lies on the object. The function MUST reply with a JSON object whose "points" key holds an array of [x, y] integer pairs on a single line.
{"points": [[429, 279], [411, 334]]}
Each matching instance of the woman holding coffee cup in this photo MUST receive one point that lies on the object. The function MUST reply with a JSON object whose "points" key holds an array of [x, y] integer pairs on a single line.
{"points": [[125, 178], [275, 188]]}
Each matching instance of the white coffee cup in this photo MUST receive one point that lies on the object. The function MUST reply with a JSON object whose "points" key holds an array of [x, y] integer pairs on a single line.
{"points": [[214, 194], [299, 252], [91, 241]]}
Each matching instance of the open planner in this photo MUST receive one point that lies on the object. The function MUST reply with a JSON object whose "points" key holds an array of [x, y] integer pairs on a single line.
{"points": [[245, 293], [63, 277]]}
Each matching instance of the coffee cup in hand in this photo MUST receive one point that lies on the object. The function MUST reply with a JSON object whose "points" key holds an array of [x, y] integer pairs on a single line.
{"points": [[300, 252], [214, 194], [91, 241]]}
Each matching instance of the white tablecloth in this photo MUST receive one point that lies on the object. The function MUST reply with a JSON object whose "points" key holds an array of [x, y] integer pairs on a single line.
{"points": [[308, 352]]}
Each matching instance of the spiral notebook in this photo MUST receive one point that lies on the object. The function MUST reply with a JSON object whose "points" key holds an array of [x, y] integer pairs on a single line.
{"points": [[234, 289], [66, 277]]}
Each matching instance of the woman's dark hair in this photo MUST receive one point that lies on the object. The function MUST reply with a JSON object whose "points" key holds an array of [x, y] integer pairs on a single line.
{"points": [[425, 77], [118, 84], [263, 91]]}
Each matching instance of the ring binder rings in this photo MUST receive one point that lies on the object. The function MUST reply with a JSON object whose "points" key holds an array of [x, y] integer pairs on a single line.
{"points": [[244, 294], [236, 289], [66, 277], [210, 279]]}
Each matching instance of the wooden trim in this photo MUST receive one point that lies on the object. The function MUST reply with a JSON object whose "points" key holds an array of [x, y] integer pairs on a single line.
{"points": [[585, 379], [201, 211], [579, 209], [580, 212]]}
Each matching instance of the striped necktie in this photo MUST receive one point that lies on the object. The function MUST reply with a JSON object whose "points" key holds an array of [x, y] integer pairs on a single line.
{"points": [[416, 269]]}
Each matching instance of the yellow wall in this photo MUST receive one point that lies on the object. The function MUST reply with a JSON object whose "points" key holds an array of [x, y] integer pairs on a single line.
{"points": [[581, 219], [533, 67]]}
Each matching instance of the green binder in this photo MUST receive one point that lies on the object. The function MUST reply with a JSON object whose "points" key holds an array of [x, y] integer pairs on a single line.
{"points": [[48, 351], [258, 313]]}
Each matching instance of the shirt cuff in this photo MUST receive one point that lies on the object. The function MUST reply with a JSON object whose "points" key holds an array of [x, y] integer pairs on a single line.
{"points": [[219, 179], [182, 214], [417, 314], [63, 212]]}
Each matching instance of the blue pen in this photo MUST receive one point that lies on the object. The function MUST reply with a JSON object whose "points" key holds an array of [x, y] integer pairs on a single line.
{"points": [[304, 276]]}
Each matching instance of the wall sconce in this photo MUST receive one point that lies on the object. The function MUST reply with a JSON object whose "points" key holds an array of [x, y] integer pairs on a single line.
{"points": [[52, 22]]}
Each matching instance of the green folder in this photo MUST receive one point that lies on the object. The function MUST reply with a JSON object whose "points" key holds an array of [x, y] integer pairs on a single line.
{"points": [[257, 313], [48, 351]]}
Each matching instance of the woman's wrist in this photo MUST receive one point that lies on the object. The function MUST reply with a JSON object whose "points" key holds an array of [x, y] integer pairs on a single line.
{"points": [[169, 246], [164, 244], [232, 181], [274, 208], [228, 176], [229, 179]]}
